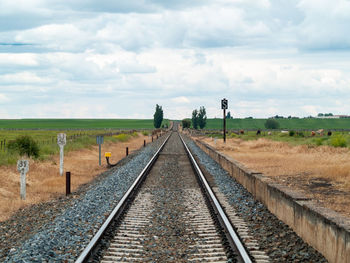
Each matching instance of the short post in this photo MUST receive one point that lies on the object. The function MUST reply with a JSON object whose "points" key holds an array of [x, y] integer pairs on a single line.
{"points": [[68, 183], [224, 106], [157, 136], [23, 168], [127, 151], [61, 141], [99, 141], [152, 138], [144, 143]]}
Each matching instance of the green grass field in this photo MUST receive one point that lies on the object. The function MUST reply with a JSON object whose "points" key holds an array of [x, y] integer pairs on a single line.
{"points": [[289, 124], [80, 133], [78, 124]]}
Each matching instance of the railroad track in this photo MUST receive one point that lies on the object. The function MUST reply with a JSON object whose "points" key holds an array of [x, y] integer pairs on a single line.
{"points": [[170, 214]]}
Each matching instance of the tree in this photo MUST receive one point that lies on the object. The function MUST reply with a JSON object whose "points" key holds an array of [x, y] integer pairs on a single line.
{"points": [[195, 119], [202, 117], [320, 115], [158, 116], [186, 123], [228, 116], [271, 124]]}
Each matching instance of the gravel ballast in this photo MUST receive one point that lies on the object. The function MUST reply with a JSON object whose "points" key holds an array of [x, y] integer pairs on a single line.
{"points": [[278, 240], [62, 228]]}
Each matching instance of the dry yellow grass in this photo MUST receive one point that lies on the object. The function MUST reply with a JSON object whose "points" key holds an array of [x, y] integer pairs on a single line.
{"points": [[322, 173], [44, 181]]}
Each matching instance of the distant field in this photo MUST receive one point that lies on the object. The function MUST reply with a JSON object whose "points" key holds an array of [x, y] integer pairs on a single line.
{"points": [[284, 123], [78, 124]]}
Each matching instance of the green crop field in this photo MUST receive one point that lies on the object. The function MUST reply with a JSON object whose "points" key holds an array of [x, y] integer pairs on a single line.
{"points": [[78, 124], [289, 124], [80, 133]]}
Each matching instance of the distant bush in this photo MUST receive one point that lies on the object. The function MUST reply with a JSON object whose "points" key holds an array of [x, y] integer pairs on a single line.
{"points": [[300, 134], [271, 124], [24, 145], [291, 133], [338, 141]]}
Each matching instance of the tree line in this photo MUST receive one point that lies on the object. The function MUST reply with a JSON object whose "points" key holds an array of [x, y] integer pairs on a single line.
{"points": [[198, 120]]}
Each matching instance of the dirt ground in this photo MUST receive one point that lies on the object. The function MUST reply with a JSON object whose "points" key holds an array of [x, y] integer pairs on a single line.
{"points": [[44, 181], [321, 173]]}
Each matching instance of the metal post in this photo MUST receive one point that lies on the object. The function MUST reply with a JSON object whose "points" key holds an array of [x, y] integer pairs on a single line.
{"points": [[99, 154], [68, 183], [144, 143], [152, 138], [225, 125], [127, 151]]}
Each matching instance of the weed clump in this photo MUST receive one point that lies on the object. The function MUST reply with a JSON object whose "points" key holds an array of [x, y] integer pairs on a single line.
{"points": [[338, 141], [318, 141], [122, 137], [291, 133], [24, 145]]}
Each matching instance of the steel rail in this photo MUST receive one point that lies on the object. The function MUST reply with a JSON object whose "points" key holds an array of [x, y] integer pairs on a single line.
{"points": [[230, 232], [94, 241]]}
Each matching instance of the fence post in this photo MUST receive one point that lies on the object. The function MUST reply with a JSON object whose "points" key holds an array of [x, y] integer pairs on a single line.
{"points": [[68, 183], [127, 151], [144, 143]]}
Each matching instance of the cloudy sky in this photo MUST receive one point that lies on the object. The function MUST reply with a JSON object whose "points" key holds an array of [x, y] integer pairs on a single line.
{"points": [[117, 59]]}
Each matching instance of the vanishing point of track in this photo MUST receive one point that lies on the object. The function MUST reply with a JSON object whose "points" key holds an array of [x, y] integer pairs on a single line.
{"points": [[169, 214]]}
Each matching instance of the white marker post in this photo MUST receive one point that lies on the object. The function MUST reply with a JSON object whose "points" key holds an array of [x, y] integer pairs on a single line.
{"points": [[61, 141], [23, 168]]}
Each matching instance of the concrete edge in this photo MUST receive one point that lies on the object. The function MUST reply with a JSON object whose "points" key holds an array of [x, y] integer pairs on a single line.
{"points": [[324, 229]]}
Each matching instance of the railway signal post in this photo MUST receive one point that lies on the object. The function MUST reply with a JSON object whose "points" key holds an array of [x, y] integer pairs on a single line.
{"points": [[224, 106]]}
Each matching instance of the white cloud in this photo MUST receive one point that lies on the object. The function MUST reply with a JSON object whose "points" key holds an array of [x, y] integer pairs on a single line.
{"points": [[23, 59], [3, 98], [121, 58], [180, 100]]}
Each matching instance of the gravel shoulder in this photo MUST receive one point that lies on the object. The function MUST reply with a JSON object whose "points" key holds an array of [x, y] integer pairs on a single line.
{"points": [[59, 229], [279, 241]]}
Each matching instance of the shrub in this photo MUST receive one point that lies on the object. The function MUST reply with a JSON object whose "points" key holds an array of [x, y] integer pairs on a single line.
{"points": [[233, 135], [271, 124], [338, 141], [291, 133], [24, 145], [318, 141], [145, 133]]}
